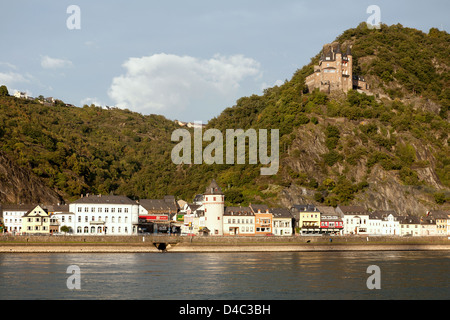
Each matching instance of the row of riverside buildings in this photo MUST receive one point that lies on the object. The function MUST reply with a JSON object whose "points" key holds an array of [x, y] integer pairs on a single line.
{"points": [[208, 215]]}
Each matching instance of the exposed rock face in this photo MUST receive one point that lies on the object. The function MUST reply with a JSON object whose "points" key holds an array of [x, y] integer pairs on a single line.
{"points": [[19, 185], [385, 192]]}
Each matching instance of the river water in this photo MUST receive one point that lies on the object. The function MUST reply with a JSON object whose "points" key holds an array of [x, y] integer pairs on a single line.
{"points": [[227, 276]]}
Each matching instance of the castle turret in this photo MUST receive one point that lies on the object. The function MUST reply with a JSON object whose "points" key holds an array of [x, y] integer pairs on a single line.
{"points": [[349, 69], [339, 65], [214, 204]]}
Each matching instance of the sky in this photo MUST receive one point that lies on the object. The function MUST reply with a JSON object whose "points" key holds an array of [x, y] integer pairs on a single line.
{"points": [[185, 60]]}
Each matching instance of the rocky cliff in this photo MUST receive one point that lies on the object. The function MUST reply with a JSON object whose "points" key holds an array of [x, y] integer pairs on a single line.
{"points": [[19, 185]]}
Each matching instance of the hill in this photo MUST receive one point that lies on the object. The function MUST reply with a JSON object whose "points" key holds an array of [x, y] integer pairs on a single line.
{"points": [[388, 150]]}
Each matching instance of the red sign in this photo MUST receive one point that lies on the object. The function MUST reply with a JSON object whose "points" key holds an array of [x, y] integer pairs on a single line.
{"points": [[155, 218]]}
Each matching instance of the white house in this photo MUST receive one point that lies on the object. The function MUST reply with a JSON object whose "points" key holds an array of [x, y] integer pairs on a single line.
{"points": [[375, 224], [12, 217], [21, 95], [410, 226], [356, 219], [194, 218], [105, 215], [390, 223], [282, 222], [63, 216], [238, 221]]}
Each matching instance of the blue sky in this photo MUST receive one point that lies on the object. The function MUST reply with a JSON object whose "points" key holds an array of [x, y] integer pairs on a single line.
{"points": [[186, 60]]}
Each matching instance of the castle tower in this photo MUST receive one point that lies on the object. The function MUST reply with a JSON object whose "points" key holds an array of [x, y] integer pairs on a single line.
{"points": [[339, 67], [349, 69], [214, 204]]}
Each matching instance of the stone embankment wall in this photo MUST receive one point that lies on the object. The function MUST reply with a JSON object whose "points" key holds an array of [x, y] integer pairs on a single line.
{"points": [[224, 240]]}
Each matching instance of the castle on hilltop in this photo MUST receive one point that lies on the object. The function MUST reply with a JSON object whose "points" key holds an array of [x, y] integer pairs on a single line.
{"points": [[335, 72]]}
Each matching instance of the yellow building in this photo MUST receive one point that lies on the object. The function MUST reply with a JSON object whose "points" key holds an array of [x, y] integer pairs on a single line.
{"points": [[308, 217], [38, 221], [441, 218]]}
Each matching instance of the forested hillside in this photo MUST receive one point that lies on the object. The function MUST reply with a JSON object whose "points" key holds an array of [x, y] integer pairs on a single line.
{"points": [[387, 150]]}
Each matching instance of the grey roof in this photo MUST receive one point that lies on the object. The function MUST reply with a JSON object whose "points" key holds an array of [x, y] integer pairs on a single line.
{"points": [[100, 199], [17, 207], [281, 213], [238, 211], [159, 204], [439, 214], [409, 220], [213, 188], [304, 207], [353, 210], [194, 207], [198, 198], [261, 207], [375, 215], [385, 213], [58, 208], [327, 210]]}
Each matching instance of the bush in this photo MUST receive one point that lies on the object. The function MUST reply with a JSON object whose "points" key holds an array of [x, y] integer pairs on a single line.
{"points": [[332, 157], [440, 198]]}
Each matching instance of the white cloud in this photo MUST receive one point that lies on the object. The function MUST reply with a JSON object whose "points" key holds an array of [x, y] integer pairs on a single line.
{"points": [[53, 63], [95, 101], [8, 65], [10, 78], [265, 86], [168, 84]]}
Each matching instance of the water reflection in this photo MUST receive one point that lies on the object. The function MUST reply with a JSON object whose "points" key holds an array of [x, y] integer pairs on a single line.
{"points": [[259, 276]]}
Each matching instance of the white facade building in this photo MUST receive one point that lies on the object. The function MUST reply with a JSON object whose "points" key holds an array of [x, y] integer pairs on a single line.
{"points": [[410, 226], [282, 222], [238, 221], [356, 219], [105, 215], [390, 224], [12, 217], [214, 204], [194, 219], [375, 224], [21, 95]]}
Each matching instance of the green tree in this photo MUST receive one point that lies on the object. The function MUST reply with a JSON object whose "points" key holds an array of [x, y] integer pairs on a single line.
{"points": [[65, 229], [440, 198], [4, 91]]}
